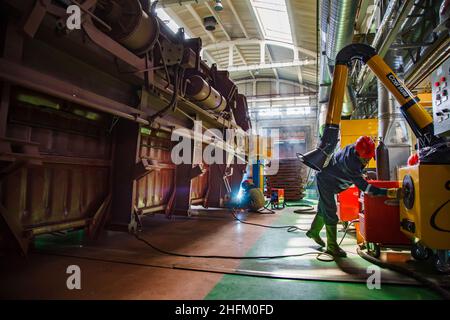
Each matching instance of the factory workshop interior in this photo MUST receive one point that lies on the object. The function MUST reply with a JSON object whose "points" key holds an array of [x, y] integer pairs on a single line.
{"points": [[225, 150]]}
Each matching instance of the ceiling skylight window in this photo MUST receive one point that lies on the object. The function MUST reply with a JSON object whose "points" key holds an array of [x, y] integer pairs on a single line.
{"points": [[273, 19]]}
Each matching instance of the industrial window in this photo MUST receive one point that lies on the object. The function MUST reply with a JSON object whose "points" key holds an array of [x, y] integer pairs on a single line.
{"points": [[273, 18]]}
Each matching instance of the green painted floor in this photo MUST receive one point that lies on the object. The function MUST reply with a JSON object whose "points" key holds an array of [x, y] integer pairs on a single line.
{"points": [[247, 287], [241, 288], [276, 242]]}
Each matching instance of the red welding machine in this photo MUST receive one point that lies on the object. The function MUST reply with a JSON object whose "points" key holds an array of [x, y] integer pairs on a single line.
{"points": [[277, 198], [380, 219]]}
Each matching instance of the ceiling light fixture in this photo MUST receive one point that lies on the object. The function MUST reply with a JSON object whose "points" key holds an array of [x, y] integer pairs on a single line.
{"points": [[210, 23], [218, 6]]}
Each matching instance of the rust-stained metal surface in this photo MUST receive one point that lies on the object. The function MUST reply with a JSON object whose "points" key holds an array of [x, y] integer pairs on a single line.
{"points": [[155, 188], [71, 180], [86, 118]]}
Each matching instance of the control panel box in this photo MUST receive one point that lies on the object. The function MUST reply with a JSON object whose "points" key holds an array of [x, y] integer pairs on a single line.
{"points": [[440, 80]]}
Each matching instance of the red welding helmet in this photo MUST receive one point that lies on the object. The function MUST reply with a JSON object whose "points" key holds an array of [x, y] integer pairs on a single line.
{"points": [[413, 159], [365, 147]]}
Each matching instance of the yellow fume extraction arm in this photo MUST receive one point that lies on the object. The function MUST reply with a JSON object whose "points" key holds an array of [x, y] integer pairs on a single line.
{"points": [[432, 147]]}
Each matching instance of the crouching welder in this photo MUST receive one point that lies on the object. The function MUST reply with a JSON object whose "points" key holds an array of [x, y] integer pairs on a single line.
{"points": [[344, 169], [252, 198]]}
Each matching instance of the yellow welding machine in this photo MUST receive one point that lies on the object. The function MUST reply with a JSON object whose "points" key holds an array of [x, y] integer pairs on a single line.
{"points": [[425, 207]]}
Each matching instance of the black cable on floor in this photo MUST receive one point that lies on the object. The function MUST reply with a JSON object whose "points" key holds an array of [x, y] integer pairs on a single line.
{"points": [[307, 209], [269, 211], [346, 230], [225, 257], [290, 228], [295, 228], [412, 274], [345, 233]]}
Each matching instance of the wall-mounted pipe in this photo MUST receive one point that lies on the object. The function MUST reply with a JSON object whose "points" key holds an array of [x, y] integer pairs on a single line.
{"points": [[385, 114], [385, 110], [205, 95], [130, 25]]}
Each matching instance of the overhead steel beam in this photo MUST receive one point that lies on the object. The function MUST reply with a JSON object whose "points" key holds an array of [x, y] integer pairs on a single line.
{"points": [[180, 22], [311, 89], [230, 56], [294, 39], [219, 21], [200, 22], [262, 36], [227, 35], [264, 43], [246, 42], [172, 3], [283, 81], [244, 30], [236, 15], [271, 65], [262, 57]]}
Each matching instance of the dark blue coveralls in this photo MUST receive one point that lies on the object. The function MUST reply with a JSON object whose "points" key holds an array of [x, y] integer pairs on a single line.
{"points": [[343, 170]]}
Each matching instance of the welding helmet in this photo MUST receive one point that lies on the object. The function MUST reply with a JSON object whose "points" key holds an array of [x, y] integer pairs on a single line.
{"points": [[413, 159], [365, 147], [246, 184]]}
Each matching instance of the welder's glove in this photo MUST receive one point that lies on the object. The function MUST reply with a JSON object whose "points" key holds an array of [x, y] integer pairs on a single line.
{"points": [[395, 193], [377, 192], [391, 193]]}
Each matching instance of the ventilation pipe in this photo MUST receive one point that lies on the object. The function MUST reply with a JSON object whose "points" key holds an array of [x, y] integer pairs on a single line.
{"points": [[335, 35], [324, 76], [385, 117], [340, 34], [432, 149], [385, 114]]}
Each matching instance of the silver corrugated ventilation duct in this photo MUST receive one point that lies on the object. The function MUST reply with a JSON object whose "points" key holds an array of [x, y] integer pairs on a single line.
{"points": [[324, 76], [340, 34], [337, 18], [385, 110], [385, 113], [325, 80], [340, 27]]}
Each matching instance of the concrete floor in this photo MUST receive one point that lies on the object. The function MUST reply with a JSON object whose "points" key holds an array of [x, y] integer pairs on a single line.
{"points": [[118, 266]]}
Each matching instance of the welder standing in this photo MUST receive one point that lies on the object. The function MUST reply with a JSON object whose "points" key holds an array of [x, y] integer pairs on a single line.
{"points": [[344, 169]]}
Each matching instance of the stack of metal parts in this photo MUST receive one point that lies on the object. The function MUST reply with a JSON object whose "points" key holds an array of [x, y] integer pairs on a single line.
{"points": [[291, 177]]}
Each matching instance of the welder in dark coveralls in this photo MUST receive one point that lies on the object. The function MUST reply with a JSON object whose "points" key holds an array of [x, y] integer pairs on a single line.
{"points": [[344, 169], [253, 198]]}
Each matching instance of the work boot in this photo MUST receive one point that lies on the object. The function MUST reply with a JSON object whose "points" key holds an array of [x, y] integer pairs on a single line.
{"points": [[332, 245], [314, 231]]}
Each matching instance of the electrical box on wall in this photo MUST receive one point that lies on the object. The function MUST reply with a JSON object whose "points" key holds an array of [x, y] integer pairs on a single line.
{"points": [[440, 80]]}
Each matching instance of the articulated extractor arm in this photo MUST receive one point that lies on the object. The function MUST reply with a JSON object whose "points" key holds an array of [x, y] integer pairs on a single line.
{"points": [[417, 117]]}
